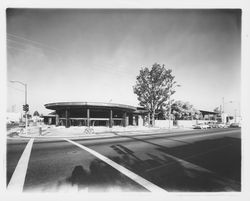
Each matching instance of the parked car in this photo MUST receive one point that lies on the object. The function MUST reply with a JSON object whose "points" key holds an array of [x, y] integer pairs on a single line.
{"points": [[221, 125], [235, 125], [213, 125], [201, 126], [22, 124]]}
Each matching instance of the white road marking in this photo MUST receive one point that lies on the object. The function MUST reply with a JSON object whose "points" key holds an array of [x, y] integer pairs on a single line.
{"points": [[145, 183], [18, 178]]}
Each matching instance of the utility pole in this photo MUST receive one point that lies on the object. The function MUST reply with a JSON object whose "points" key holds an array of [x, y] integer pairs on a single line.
{"points": [[235, 110], [26, 120], [25, 106], [221, 113], [169, 112], [223, 110]]}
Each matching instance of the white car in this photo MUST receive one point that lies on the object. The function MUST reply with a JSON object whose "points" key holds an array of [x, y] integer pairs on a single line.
{"points": [[201, 126], [221, 125]]}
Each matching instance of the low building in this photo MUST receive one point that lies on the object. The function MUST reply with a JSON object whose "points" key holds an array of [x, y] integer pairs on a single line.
{"points": [[228, 119], [13, 117], [91, 114], [208, 115], [103, 114]]}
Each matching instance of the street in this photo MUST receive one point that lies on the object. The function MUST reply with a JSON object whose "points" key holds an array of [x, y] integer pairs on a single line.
{"points": [[187, 161]]}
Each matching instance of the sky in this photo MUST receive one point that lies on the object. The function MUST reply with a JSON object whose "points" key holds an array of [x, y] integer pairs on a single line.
{"points": [[95, 55]]}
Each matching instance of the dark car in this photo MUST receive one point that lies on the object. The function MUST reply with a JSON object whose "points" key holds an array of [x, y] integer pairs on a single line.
{"points": [[235, 125]]}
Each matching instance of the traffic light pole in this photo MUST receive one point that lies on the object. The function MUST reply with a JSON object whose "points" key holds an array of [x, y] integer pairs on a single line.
{"points": [[26, 110], [26, 120]]}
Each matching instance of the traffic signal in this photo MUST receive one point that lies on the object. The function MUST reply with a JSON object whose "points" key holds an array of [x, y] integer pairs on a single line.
{"points": [[26, 107]]}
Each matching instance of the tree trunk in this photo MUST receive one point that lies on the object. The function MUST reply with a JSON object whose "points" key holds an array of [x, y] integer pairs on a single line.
{"points": [[149, 119], [153, 118]]}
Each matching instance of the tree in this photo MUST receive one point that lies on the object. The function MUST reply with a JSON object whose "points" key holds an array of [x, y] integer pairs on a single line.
{"points": [[217, 110], [36, 113], [154, 87], [184, 110]]}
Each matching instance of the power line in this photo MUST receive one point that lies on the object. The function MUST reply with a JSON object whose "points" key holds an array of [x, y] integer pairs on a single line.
{"points": [[97, 67], [24, 50], [25, 45], [21, 43], [16, 88], [16, 48], [34, 42]]}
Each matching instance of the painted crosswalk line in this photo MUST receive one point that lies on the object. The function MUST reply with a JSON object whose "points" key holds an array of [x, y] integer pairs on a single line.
{"points": [[18, 178], [138, 179]]}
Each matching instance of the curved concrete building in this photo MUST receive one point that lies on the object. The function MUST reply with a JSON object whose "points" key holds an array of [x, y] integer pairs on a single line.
{"points": [[93, 114]]}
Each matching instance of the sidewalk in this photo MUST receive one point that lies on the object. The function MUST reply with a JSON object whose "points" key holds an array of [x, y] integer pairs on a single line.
{"points": [[49, 132]]}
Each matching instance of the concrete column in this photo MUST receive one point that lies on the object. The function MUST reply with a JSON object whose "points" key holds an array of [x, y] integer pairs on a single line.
{"points": [[124, 119], [67, 118], [148, 119], [57, 120], [111, 119], [130, 119], [140, 120], [50, 121], [136, 120], [88, 117]]}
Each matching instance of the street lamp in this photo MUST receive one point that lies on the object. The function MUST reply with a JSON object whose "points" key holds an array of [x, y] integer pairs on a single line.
{"points": [[169, 114], [235, 110], [25, 100], [223, 108]]}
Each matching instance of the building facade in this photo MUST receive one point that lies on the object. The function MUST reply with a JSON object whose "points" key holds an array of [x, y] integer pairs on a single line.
{"points": [[91, 114], [103, 114]]}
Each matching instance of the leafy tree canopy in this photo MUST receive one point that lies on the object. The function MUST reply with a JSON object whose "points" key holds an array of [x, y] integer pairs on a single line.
{"points": [[184, 110], [217, 109], [36, 113], [153, 88]]}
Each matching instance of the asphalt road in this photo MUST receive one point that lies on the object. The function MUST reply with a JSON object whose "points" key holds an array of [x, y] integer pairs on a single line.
{"points": [[193, 161]]}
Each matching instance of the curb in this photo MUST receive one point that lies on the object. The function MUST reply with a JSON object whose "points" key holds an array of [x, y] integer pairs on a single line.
{"points": [[101, 134], [67, 136]]}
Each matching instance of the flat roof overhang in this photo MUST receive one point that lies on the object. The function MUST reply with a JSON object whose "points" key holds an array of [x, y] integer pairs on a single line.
{"points": [[97, 105], [208, 112]]}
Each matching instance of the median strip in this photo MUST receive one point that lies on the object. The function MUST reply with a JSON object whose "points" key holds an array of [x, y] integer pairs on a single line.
{"points": [[18, 178], [138, 179]]}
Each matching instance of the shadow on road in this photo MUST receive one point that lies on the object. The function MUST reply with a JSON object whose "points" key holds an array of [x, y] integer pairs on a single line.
{"points": [[211, 165], [101, 178], [208, 166], [222, 156]]}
